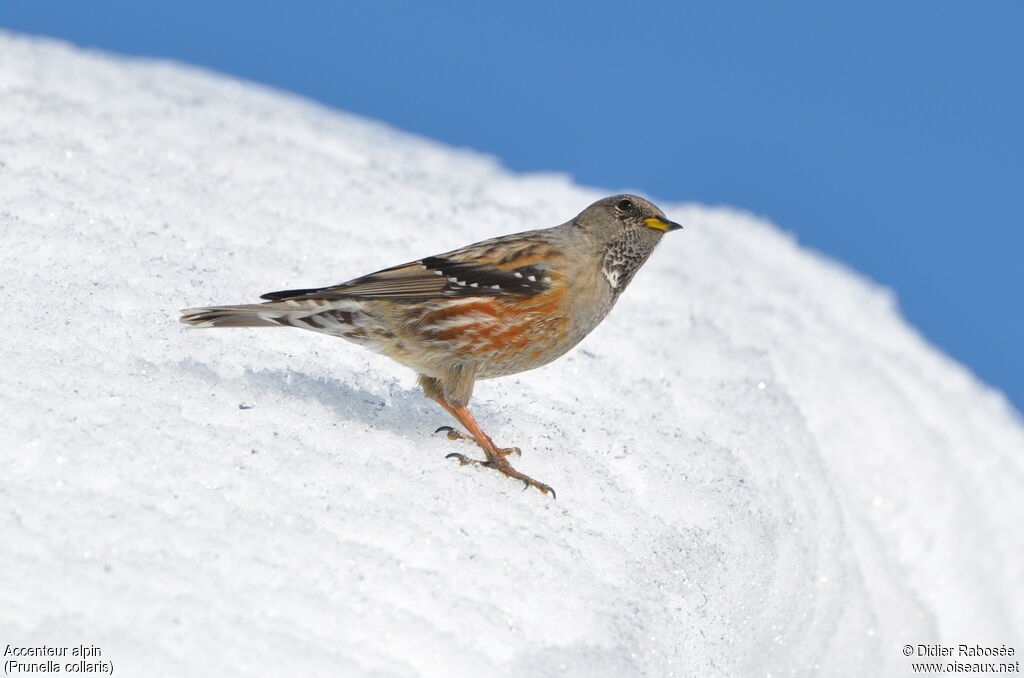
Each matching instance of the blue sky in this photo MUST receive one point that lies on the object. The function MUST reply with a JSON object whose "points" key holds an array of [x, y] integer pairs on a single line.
{"points": [[886, 134]]}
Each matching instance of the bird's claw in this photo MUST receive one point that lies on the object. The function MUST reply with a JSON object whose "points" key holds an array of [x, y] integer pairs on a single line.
{"points": [[544, 489], [528, 482], [451, 433], [501, 465], [463, 460]]}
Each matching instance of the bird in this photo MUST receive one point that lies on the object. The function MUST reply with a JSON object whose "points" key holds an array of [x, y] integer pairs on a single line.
{"points": [[490, 309]]}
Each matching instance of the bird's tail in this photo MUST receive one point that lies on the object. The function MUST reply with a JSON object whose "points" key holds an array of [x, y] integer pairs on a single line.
{"points": [[247, 315]]}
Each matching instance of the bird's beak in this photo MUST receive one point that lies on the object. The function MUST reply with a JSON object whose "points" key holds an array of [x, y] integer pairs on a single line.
{"points": [[664, 225]]}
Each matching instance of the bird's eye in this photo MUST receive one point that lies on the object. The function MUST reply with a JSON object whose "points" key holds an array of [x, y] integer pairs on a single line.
{"points": [[624, 205]]}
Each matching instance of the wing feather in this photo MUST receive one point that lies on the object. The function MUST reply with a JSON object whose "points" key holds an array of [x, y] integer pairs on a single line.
{"points": [[462, 273]]}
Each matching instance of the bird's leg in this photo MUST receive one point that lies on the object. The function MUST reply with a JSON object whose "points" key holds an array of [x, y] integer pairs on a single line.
{"points": [[496, 457]]}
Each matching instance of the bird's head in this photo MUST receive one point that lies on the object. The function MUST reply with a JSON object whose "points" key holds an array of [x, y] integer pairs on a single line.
{"points": [[611, 219], [625, 229]]}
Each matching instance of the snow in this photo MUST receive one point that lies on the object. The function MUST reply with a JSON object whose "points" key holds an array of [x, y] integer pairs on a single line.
{"points": [[761, 469]]}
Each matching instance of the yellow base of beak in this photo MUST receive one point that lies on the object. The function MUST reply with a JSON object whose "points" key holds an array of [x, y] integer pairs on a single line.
{"points": [[660, 224]]}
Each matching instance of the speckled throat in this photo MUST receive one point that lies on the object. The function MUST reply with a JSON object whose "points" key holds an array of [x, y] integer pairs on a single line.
{"points": [[626, 255]]}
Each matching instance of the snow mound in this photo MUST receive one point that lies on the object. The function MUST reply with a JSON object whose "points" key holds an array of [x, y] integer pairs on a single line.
{"points": [[761, 469]]}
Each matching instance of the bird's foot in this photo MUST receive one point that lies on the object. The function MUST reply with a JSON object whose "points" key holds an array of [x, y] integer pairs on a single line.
{"points": [[455, 434], [464, 460], [501, 464], [507, 469]]}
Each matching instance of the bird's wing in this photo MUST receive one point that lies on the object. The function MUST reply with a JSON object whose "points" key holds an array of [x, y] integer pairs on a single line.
{"points": [[511, 265]]}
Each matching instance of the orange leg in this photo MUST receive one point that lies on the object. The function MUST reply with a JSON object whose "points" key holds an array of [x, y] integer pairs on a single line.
{"points": [[496, 457]]}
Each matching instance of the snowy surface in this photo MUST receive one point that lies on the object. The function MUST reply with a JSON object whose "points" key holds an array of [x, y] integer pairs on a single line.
{"points": [[761, 469]]}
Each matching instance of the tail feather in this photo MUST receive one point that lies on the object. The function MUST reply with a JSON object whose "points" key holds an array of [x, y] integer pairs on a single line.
{"points": [[342, 318], [249, 315]]}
